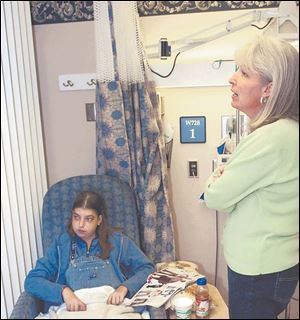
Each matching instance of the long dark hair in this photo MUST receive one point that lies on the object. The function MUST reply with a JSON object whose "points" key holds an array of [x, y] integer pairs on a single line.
{"points": [[92, 200]]}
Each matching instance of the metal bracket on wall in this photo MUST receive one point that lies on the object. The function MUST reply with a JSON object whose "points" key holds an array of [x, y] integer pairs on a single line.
{"points": [[80, 81]]}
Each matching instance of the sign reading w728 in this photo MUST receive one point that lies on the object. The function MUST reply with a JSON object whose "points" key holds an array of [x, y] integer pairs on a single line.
{"points": [[193, 129]]}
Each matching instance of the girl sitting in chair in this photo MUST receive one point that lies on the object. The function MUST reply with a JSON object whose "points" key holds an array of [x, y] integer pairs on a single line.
{"points": [[89, 255]]}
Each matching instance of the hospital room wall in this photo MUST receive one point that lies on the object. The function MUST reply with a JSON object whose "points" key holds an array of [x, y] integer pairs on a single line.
{"points": [[66, 48], [195, 225]]}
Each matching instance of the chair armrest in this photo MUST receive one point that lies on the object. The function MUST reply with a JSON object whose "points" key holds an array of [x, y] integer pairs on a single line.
{"points": [[26, 307], [157, 313]]}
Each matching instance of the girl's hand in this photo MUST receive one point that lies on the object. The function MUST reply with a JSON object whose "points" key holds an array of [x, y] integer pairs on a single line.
{"points": [[71, 301], [117, 297]]}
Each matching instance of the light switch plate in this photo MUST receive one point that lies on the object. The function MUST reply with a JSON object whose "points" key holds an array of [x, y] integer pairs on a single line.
{"points": [[90, 111]]}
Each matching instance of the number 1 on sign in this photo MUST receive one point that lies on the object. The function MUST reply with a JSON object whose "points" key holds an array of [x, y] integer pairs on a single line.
{"points": [[193, 134]]}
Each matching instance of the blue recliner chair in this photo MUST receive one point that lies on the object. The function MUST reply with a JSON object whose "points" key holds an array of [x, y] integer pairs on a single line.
{"points": [[122, 212]]}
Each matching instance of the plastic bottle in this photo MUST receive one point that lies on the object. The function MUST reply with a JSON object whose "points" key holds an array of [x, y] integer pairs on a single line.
{"points": [[202, 299]]}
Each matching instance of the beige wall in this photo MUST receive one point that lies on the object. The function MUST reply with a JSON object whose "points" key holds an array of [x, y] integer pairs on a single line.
{"points": [[195, 224], [70, 140], [66, 48]]}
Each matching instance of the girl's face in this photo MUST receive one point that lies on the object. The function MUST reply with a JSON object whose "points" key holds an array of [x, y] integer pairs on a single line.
{"points": [[247, 89], [85, 223]]}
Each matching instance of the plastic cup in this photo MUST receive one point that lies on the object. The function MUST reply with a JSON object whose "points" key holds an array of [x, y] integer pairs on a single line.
{"points": [[183, 307]]}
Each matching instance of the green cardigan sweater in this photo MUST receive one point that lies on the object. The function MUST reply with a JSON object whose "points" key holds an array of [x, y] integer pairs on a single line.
{"points": [[259, 191]]}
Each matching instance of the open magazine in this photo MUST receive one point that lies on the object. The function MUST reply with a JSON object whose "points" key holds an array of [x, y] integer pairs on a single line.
{"points": [[162, 285]]}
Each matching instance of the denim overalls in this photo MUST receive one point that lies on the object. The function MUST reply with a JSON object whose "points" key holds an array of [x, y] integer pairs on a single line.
{"points": [[89, 271]]}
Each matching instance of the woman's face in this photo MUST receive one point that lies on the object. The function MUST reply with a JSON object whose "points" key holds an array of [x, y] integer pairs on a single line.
{"points": [[247, 90], [85, 223]]}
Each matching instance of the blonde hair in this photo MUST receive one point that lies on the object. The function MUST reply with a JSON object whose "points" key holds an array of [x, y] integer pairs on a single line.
{"points": [[275, 61]]}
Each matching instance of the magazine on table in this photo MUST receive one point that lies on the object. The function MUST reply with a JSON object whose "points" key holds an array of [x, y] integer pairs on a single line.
{"points": [[162, 285]]}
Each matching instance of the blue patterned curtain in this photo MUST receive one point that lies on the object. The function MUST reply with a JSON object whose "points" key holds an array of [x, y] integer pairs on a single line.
{"points": [[130, 146]]}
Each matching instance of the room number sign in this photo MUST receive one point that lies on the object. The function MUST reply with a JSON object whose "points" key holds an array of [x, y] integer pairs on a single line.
{"points": [[192, 129]]}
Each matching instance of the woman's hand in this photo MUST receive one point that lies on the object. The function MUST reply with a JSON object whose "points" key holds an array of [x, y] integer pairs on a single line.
{"points": [[218, 172], [71, 301], [117, 297]]}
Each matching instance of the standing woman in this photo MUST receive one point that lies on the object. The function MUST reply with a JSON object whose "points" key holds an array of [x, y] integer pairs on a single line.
{"points": [[258, 187]]}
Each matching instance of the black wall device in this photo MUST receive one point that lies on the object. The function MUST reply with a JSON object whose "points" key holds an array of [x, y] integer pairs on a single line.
{"points": [[165, 48]]}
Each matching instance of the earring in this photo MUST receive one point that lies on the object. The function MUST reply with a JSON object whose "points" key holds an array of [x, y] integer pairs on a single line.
{"points": [[263, 100]]}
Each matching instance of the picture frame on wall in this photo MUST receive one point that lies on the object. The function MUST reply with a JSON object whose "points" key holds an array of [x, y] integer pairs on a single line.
{"points": [[192, 129]]}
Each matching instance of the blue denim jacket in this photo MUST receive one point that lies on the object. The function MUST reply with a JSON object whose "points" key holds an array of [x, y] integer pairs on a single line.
{"points": [[47, 279]]}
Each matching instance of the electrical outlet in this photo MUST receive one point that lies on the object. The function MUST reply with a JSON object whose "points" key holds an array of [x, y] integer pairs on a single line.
{"points": [[193, 168]]}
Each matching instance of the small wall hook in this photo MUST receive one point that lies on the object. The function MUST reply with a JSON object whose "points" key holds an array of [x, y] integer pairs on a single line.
{"points": [[92, 82], [78, 81], [68, 84]]}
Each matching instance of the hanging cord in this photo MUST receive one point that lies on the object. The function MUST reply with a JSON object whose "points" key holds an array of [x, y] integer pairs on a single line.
{"points": [[217, 63], [164, 76], [260, 28], [217, 248]]}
